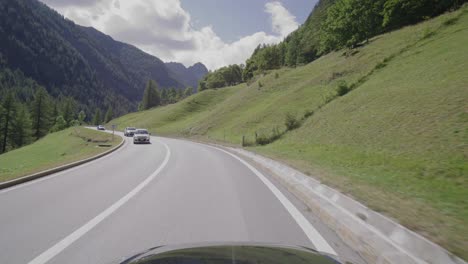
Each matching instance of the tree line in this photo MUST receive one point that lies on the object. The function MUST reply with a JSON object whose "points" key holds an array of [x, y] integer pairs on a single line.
{"points": [[29, 111], [225, 76], [332, 25], [22, 123], [153, 97]]}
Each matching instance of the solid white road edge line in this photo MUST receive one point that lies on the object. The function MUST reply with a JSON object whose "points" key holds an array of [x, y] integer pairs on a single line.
{"points": [[67, 241], [314, 236], [22, 185]]}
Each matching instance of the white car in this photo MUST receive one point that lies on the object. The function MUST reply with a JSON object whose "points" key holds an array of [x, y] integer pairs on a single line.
{"points": [[129, 131], [141, 136]]}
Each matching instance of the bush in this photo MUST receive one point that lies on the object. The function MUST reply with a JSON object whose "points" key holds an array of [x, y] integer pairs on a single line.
{"points": [[275, 134], [380, 65], [450, 21], [260, 84], [60, 124], [291, 122], [264, 139], [327, 98], [75, 123], [276, 75], [342, 88], [308, 113]]}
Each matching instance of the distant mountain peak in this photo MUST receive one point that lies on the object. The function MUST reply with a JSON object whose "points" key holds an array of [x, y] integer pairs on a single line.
{"points": [[188, 76]]}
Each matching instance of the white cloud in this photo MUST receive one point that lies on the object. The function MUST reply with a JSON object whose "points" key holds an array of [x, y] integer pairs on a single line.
{"points": [[283, 22], [164, 29]]}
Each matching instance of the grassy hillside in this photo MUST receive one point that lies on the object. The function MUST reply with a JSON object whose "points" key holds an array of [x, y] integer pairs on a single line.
{"points": [[397, 141], [53, 150]]}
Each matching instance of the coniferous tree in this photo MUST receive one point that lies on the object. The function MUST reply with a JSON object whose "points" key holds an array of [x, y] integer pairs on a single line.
{"points": [[69, 109], [55, 113], [97, 117], [40, 113], [151, 97], [109, 115], [22, 127], [8, 118], [2, 122], [163, 97], [172, 95], [81, 117], [180, 95], [188, 91]]}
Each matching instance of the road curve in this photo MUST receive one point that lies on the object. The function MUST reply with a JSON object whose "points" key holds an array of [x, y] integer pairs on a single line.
{"points": [[169, 192]]}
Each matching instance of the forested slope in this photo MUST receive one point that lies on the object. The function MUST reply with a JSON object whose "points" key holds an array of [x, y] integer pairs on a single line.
{"points": [[81, 62]]}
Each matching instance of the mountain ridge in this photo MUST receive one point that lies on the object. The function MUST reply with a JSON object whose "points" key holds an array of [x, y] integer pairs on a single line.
{"points": [[189, 76], [77, 61]]}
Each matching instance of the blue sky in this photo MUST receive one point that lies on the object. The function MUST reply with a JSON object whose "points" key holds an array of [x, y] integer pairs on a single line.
{"points": [[234, 19], [216, 33]]}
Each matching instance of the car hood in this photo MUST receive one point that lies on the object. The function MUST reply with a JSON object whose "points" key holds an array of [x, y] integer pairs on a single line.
{"points": [[228, 253], [140, 135]]}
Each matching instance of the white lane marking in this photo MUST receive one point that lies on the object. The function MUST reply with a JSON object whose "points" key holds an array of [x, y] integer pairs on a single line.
{"points": [[67, 241], [314, 236], [46, 178]]}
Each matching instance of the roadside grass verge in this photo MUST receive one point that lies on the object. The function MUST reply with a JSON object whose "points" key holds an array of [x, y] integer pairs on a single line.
{"points": [[398, 143], [53, 150]]}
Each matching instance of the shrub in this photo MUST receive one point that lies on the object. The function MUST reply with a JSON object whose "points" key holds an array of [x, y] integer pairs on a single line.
{"points": [[263, 139], [380, 65], [450, 21], [291, 122], [75, 123], [342, 88], [260, 84], [276, 75], [60, 124], [327, 98], [308, 113], [275, 134]]}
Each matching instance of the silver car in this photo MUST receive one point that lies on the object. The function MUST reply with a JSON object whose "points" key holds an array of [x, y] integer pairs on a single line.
{"points": [[141, 136], [129, 131]]}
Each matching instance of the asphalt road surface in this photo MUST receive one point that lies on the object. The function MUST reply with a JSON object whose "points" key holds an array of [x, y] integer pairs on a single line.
{"points": [[166, 193]]}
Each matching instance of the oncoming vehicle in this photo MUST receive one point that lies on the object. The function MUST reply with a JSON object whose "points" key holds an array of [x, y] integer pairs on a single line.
{"points": [[141, 136], [101, 127], [129, 131]]}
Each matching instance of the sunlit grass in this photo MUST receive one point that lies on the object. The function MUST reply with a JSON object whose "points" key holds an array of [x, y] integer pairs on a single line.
{"points": [[397, 142], [54, 150]]}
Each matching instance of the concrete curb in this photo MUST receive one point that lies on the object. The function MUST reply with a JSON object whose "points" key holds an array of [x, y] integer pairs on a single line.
{"points": [[375, 237], [41, 174]]}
